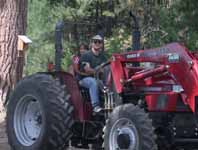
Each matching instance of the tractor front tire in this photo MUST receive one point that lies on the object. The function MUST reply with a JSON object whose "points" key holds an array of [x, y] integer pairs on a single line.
{"points": [[39, 115], [129, 128]]}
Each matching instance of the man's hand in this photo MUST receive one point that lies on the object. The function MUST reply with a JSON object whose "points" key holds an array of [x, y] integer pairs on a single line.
{"points": [[88, 69], [87, 66]]}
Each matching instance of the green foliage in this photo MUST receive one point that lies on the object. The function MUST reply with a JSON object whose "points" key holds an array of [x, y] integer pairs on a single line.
{"points": [[168, 29], [160, 24], [41, 25], [189, 13], [180, 24], [80, 10], [40, 30], [119, 42]]}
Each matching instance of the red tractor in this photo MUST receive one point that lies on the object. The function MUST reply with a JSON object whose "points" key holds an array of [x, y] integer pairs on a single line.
{"points": [[145, 107]]}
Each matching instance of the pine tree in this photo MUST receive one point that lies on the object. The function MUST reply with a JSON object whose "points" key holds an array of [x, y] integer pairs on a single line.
{"points": [[12, 23]]}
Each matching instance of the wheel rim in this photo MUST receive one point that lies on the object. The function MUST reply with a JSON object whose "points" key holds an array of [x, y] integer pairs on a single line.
{"points": [[28, 120], [123, 135]]}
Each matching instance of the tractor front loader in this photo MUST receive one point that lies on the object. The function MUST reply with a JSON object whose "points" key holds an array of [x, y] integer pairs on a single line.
{"points": [[166, 91]]}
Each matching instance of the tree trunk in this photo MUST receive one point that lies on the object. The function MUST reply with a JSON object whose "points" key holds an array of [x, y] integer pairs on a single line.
{"points": [[13, 21]]}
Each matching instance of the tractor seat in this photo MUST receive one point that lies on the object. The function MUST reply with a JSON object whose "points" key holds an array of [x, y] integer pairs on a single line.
{"points": [[84, 92]]}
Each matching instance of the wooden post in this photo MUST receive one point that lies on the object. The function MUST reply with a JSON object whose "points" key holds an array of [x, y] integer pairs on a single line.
{"points": [[23, 42]]}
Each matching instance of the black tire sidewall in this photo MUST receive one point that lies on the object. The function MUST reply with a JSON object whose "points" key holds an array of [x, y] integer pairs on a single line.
{"points": [[121, 112], [22, 89]]}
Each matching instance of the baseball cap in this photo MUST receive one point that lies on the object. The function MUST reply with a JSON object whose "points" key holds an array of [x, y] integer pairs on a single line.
{"points": [[97, 37]]}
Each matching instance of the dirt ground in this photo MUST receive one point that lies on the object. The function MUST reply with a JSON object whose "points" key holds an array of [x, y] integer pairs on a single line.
{"points": [[3, 137]]}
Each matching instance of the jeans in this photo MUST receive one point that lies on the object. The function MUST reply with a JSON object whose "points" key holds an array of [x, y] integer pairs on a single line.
{"points": [[91, 84]]}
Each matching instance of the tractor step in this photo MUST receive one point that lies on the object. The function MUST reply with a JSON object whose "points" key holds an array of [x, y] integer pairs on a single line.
{"points": [[187, 143], [186, 140]]}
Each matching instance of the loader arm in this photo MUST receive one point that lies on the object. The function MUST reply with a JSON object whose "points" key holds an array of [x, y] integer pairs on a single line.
{"points": [[173, 64]]}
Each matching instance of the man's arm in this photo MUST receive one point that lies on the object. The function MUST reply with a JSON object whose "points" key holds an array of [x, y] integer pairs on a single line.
{"points": [[85, 64]]}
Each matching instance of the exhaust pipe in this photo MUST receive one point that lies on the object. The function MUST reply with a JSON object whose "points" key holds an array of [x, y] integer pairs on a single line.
{"points": [[58, 45], [135, 36], [136, 33]]}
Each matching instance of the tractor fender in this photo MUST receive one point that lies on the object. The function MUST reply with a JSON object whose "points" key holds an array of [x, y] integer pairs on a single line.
{"points": [[72, 86]]}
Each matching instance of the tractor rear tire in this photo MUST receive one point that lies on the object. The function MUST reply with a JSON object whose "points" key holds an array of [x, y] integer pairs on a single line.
{"points": [[39, 115], [129, 128]]}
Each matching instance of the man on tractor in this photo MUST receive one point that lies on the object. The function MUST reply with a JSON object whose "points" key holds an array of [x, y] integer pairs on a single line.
{"points": [[88, 63]]}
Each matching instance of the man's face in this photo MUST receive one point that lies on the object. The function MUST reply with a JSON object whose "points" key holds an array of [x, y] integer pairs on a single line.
{"points": [[97, 45]]}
